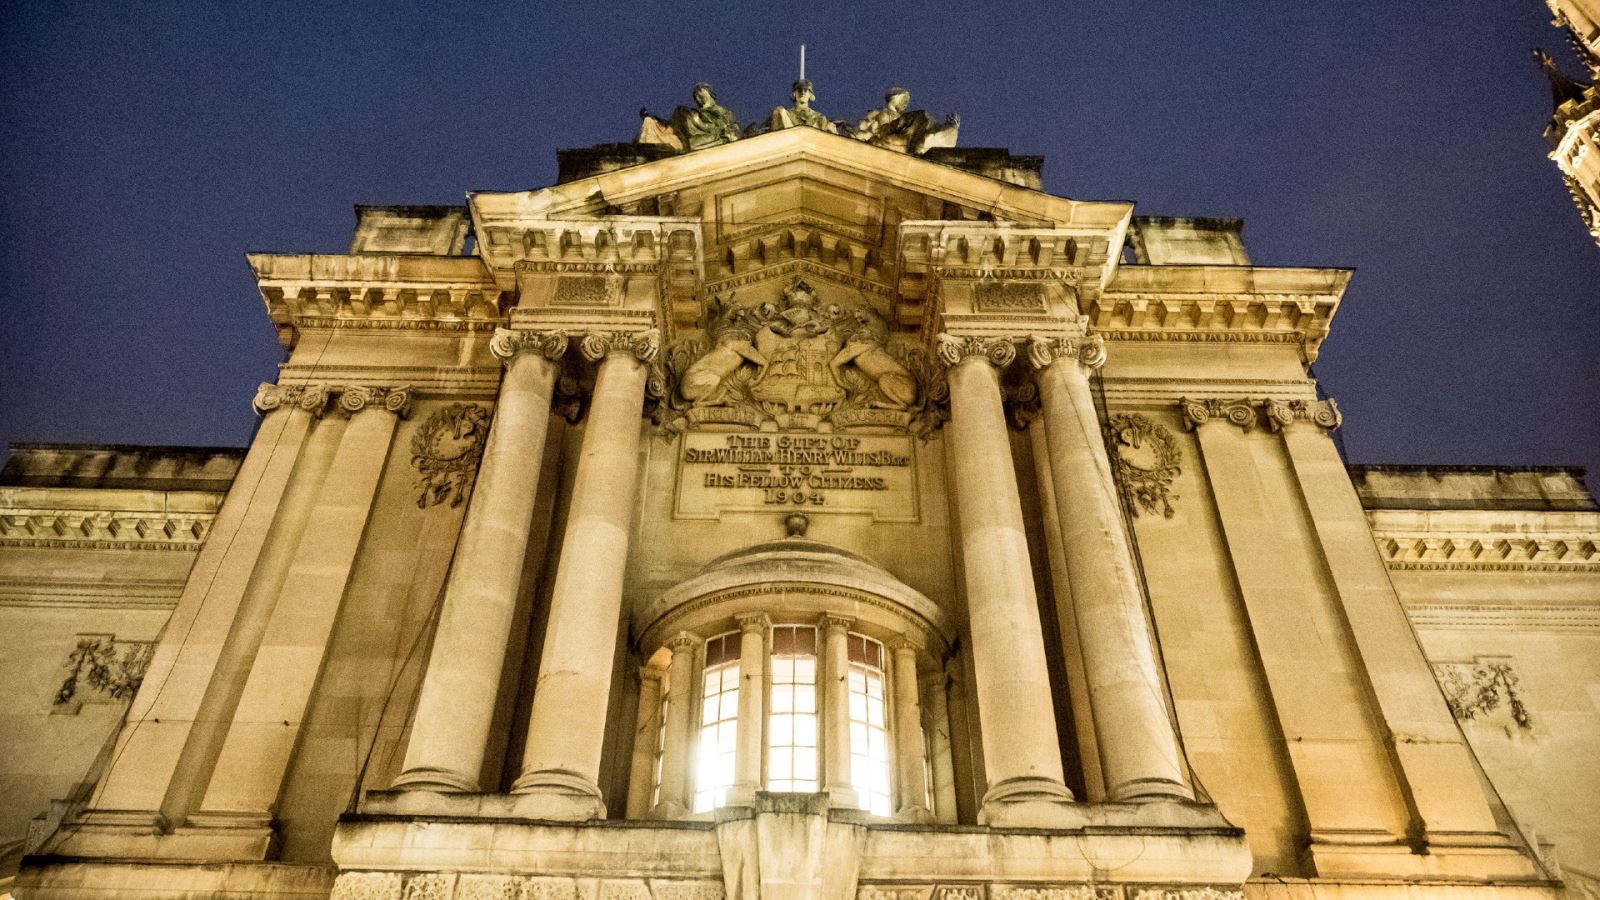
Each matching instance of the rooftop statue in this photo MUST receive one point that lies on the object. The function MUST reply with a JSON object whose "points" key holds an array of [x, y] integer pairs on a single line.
{"points": [[801, 113], [706, 124], [907, 130]]}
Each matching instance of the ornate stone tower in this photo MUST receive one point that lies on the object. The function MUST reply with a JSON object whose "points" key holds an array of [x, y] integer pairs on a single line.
{"points": [[1574, 129]]}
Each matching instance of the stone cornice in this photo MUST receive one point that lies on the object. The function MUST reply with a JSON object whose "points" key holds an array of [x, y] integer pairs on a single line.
{"points": [[376, 291], [1249, 304], [1502, 617], [1484, 540], [102, 529], [516, 245]]}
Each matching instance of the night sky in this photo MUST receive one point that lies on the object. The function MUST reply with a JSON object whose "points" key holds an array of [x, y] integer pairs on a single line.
{"points": [[146, 148]]}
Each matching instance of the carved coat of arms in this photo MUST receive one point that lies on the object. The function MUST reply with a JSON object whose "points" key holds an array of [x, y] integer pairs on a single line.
{"points": [[796, 363]]}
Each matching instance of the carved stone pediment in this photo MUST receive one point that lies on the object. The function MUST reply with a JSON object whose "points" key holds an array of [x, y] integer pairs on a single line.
{"points": [[797, 363]]}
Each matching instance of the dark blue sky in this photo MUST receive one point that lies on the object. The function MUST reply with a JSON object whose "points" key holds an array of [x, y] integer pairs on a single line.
{"points": [[146, 147]]}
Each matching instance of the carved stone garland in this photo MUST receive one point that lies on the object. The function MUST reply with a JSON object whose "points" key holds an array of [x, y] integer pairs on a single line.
{"points": [[104, 664], [446, 450], [1478, 688], [1146, 487]]}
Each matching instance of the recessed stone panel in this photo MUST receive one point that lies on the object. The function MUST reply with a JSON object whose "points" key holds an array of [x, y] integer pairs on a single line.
{"points": [[814, 473]]}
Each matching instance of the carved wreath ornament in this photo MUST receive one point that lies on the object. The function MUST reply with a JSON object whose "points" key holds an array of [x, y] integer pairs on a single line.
{"points": [[446, 451], [1146, 458]]}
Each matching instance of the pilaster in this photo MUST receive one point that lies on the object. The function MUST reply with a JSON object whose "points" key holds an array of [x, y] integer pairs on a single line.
{"points": [[234, 816], [1380, 766]]}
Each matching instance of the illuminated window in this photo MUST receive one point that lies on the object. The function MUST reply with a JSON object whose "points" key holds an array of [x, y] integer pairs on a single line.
{"points": [[869, 736], [719, 723], [792, 723]]}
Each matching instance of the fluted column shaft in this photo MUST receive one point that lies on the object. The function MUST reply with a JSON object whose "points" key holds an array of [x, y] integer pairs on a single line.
{"points": [[1139, 751], [911, 777], [456, 705], [836, 710], [682, 692], [1021, 759], [566, 725]]}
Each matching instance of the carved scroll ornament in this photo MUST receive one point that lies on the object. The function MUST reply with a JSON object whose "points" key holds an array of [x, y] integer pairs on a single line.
{"points": [[1235, 412], [1089, 350], [643, 345], [998, 352], [392, 399], [312, 398], [1321, 413], [446, 450], [506, 344], [1146, 458]]}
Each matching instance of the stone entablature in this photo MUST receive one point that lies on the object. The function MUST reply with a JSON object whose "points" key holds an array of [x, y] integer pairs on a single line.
{"points": [[1228, 304], [425, 293]]}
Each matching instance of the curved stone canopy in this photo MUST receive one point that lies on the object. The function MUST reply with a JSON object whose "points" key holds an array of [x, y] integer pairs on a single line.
{"points": [[799, 564]]}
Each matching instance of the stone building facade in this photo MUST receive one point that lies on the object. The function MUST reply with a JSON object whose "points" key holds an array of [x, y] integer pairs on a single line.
{"points": [[784, 513]]}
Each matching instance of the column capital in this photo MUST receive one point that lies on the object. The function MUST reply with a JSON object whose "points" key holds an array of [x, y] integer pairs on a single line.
{"points": [[312, 398], [1234, 412], [751, 622], [397, 400], [652, 672], [999, 352], [831, 623], [642, 345], [1088, 350], [1247, 413], [1322, 413], [507, 343], [683, 640], [905, 643]]}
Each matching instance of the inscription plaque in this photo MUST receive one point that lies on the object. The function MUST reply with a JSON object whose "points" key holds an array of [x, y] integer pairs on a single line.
{"points": [[779, 471]]}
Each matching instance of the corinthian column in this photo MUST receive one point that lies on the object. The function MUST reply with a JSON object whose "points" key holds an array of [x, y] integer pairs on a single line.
{"points": [[457, 699], [1138, 747], [1021, 760], [566, 726]]}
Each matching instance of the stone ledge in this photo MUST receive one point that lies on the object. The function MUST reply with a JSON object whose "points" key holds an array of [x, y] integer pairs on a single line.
{"points": [[69, 878]]}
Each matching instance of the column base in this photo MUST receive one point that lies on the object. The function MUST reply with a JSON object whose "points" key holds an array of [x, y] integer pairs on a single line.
{"points": [[544, 805], [669, 809], [1142, 790], [1479, 855], [556, 794], [429, 778], [1026, 802], [914, 815]]}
